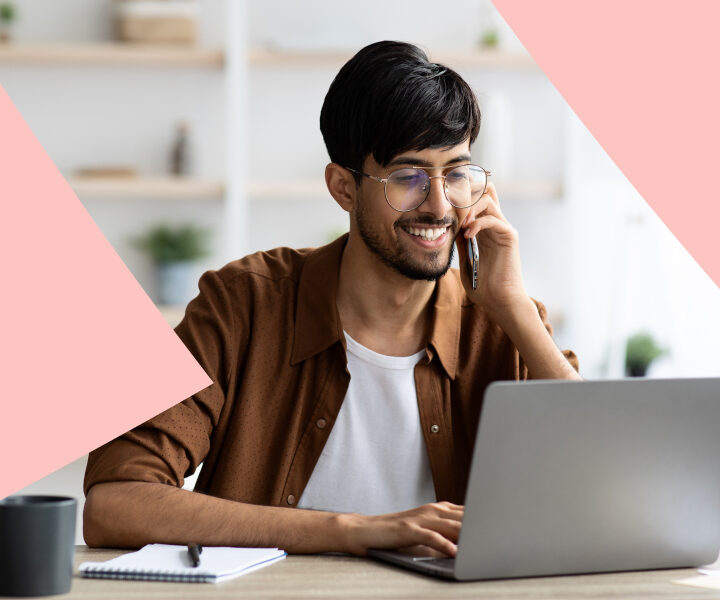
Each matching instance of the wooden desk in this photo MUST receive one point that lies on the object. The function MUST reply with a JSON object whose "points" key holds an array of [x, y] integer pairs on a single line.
{"points": [[348, 577]]}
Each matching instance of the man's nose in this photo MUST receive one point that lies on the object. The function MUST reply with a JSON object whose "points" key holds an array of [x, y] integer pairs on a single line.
{"points": [[436, 204]]}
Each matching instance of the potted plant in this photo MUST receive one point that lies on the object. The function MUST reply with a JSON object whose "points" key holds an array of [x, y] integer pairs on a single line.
{"points": [[174, 250], [640, 351], [489, 39], [7, 16]]}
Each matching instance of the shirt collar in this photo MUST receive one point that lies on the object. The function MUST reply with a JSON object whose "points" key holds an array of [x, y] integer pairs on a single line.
{"points": [[317, 322]]}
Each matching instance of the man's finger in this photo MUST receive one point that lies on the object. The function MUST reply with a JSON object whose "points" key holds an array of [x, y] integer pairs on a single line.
{"points": [[493, 208], [454, 514], [434, 540], [447, 504], [451, 511], [448, 528], [488, 222], [492, 192]]}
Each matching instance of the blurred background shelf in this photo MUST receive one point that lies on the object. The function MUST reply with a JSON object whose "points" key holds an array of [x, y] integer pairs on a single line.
{"points": [[161, 186], [110, 54], [481, 58]]}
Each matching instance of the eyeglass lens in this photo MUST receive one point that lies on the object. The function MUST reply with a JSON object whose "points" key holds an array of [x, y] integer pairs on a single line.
{"points": [[407, 189]]}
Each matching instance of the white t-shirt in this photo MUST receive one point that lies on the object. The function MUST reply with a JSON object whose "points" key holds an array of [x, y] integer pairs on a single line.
{"points": [[375, 460]]}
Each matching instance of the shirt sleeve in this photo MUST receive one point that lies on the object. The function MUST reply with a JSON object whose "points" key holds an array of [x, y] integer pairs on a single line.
{"points": [[172, 444], [568, 354]]}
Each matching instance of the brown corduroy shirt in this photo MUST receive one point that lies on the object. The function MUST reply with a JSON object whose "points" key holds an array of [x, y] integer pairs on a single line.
{"points": [[267, 331]]}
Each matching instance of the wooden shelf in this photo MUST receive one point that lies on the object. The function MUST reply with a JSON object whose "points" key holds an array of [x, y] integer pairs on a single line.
{"points": [[480, 58], [110, 54], [491, 59], [147, 187], [306, 189], [529, 190], [152, 55]]}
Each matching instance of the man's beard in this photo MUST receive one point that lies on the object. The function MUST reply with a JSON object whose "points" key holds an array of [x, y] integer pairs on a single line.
{"points": [[431, 269]]}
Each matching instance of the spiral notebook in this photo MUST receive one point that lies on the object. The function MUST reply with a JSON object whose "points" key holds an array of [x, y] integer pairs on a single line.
{"points": [[162, 562]]}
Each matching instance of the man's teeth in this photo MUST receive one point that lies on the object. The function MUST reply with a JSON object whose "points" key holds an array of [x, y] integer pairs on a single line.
{"points": [[425, 233]]}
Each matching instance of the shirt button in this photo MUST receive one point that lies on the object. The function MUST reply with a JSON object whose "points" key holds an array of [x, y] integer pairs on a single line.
{"points": [[321, 423], [291, 499], [435, 428]]}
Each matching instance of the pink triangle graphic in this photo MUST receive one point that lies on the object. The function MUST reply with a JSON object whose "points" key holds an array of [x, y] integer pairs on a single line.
{"points": [[84, 353], [642, 77]]}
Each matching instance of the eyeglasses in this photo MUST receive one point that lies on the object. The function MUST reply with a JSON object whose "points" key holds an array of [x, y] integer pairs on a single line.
{"points": [[406, 189]]}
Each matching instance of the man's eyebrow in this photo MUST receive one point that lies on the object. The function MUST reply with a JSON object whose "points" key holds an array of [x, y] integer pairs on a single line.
{"points": [[418, 162]]}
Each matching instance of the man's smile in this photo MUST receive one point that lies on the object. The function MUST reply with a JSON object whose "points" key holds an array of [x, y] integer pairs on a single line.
{"points": [[429, 234]]}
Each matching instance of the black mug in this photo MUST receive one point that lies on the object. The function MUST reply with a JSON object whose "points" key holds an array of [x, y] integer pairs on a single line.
{"points": [[37, 545]]}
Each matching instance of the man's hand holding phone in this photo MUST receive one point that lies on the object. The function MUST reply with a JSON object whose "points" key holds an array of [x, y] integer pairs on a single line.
{"points": [[496, 272]]}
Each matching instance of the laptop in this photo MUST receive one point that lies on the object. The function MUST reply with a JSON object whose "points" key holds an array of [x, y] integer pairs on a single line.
{"points": [[587, 477]]}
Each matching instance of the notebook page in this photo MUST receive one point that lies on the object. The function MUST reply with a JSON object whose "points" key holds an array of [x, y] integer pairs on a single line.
{"points": [[163, 558]]}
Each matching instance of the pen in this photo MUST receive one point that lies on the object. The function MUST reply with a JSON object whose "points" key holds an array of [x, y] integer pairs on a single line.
{"points": [[194, 551]]}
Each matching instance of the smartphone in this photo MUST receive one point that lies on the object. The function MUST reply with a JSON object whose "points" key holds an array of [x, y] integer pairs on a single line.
{"points": [[474, 257]]}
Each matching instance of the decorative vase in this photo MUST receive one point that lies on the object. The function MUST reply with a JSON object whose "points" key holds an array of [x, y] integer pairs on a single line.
{"points": [[175, 283]]}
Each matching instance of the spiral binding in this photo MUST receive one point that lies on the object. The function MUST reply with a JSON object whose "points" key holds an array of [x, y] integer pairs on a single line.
{"points": [[149, 575]]}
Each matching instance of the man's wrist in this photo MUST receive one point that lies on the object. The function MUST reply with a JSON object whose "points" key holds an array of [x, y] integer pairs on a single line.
{"points": [[522, 323], [347, 528], [513, 315]]}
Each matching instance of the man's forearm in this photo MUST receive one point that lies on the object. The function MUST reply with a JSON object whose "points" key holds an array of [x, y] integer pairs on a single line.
{"points": [[132, 514], [543, 358]]}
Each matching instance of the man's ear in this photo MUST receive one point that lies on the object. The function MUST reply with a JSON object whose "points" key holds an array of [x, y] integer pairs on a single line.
{"points": [[341, 185]]}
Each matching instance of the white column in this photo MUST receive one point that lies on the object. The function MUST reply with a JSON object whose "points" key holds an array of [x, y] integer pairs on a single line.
{"points": [[236, 74]]}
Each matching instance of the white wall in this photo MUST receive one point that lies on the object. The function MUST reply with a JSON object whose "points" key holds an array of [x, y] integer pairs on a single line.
{"points": [[631, 274]]}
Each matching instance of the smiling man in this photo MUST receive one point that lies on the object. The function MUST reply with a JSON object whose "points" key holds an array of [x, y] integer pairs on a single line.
{"points": [[348, 379]]}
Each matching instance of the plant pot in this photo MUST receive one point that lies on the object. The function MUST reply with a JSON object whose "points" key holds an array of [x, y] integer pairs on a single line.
{"points": [[637, 370], [175, 282]]}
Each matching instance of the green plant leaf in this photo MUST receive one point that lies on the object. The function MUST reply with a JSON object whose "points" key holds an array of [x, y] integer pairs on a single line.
{"points": [[7, 12], [167, 244], [641, 350]]}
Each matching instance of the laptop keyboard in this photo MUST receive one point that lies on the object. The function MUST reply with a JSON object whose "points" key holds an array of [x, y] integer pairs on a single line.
{"points": [[443, 562]]}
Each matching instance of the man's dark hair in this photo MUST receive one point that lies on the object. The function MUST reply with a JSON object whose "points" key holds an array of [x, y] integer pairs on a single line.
{"points": [[389, 99]]}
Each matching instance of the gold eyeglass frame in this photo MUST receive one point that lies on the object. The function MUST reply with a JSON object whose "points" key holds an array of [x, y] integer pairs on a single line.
{"points": [[430, 177]]}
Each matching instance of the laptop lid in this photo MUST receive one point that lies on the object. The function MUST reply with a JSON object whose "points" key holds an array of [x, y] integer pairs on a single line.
{"points": [[592, 476]]}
